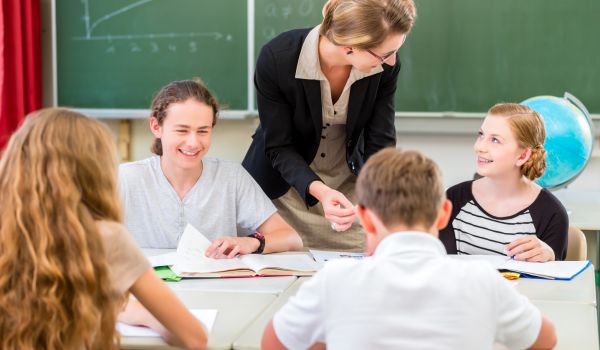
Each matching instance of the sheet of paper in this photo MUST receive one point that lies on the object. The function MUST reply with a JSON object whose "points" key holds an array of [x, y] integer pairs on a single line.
{"points": [[192, 243], [190, 255], [206, 316], [295, 262], [166, 259], [322, 256]]}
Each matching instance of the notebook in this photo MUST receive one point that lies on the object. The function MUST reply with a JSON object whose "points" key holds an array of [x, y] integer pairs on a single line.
{"points": [[190, 261], [323, 256], [205, 316], [555, 270]]}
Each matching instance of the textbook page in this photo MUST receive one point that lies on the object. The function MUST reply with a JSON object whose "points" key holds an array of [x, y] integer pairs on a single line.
{"points": [[205, 316], [191, 261], [192, 243], [290, 262], [191, 258]]}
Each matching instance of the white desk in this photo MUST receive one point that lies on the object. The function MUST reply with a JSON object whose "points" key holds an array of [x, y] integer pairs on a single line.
{"points": [[251, 336], [576, 324], [236, 313], [268, 285], [242, 316], [581, 289], [569, 304]]}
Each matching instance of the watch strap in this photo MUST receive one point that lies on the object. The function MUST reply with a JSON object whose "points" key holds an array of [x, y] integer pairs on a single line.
{"points": [[261, 240]]}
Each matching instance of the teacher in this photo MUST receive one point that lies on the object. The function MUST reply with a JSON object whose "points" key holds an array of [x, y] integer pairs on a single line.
{"points": [[326, 104]]}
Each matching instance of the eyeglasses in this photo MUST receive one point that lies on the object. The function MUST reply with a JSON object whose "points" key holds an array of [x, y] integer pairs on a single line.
{"points": [[381, 58]]}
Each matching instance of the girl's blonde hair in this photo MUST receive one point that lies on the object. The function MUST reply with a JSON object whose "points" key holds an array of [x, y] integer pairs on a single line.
{"points": [[529, 130], [365, 24], [57, 178]]}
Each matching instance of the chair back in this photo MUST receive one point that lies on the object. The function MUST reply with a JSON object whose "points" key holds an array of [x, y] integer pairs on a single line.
{"points": [[577, 245]]}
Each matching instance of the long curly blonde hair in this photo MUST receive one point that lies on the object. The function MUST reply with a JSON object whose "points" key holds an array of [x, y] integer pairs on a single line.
{"points": [[57, 178]]}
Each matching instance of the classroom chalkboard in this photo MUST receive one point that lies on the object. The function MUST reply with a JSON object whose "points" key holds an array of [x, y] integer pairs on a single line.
{"points": [[276, 16], [462, 56], [116, 54], [466, 55]]}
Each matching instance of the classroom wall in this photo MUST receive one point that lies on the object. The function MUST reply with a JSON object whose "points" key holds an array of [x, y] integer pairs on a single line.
{"points": [[447, 140], [453, 150]]}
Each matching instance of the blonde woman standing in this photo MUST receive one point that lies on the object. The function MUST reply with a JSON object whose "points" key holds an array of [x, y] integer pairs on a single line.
{"points": [[326, 104], [67, 262]]}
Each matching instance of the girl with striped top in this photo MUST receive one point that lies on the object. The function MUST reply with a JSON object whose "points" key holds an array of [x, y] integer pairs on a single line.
{"points": [[505, 212]]}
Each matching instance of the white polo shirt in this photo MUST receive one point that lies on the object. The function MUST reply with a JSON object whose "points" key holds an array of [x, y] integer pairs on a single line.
{"points": [[408, 295]]}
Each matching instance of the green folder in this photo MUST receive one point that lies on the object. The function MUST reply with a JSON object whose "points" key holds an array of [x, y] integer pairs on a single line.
{"points": [[165, 273]]}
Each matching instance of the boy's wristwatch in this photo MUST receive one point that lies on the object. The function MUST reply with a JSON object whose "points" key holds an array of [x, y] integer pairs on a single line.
{"points": [[261, 240]]}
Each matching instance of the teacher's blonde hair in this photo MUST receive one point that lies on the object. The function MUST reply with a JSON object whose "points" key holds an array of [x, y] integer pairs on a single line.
{"points": [[365, 24]]}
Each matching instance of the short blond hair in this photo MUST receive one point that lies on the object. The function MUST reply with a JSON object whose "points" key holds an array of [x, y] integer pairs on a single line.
{"points": [[401, 187], [529, 130], [365, 24]]}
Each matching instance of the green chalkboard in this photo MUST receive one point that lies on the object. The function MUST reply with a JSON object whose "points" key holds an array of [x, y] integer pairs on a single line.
{"points": [[463, 55], [276, 16], [466, 55], [116, 54]]}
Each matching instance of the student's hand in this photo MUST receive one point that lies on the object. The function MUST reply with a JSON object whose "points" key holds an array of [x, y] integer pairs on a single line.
{"points": [[229, 247], [530, 248], [337, 208]]}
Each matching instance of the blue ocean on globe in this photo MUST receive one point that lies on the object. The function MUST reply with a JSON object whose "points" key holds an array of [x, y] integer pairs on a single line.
{"points": [[569, 138]]}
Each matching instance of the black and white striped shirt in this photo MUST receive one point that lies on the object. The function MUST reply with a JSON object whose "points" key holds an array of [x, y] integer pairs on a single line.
{"points": [[472, 230], [477, 232]]}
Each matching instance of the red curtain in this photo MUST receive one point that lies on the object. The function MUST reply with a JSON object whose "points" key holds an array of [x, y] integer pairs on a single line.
{"points": [[20, 63]]}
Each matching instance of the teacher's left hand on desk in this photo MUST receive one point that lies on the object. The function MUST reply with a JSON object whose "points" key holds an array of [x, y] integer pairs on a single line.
{"points": [[229, 247]]}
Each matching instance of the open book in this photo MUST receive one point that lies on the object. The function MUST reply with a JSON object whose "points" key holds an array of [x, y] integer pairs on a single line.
{"points": [[190, 261], [556, 270]]}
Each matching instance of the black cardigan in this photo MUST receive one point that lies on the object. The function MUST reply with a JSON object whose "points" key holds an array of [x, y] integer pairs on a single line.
{"points": [[287, 139]]}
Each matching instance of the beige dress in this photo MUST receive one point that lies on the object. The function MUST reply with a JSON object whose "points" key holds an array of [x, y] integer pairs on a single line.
{"points": [[329, 163], [126, 261]]}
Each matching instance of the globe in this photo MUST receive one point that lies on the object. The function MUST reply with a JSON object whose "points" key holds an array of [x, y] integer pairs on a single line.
{"points": [[569, 138]]}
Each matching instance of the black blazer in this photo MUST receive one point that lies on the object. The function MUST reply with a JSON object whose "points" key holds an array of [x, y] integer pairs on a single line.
{"points": [[287, 139]]}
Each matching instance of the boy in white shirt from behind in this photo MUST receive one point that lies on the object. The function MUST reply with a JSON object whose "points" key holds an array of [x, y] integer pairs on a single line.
{"points": [[407, 294]]}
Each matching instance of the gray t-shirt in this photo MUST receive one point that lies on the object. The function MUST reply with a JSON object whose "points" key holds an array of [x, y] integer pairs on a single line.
{"points": [[224, 202]]}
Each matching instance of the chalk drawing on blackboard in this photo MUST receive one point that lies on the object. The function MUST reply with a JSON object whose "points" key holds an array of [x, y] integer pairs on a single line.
{"points": [[281, 12], [91, 25]]}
